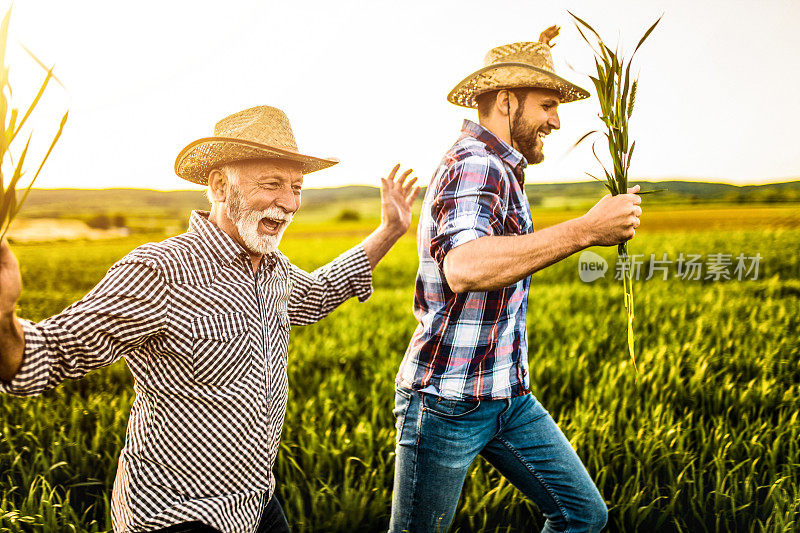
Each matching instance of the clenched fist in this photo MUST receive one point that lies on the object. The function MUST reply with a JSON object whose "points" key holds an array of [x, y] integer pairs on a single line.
{"points": [[614, 219]]}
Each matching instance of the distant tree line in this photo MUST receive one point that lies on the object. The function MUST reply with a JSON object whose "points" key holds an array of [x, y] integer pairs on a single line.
{"points": [[104, 221]]}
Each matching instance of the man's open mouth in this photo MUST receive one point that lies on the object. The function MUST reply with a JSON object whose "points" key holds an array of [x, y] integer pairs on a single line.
{"points": [[540, 135], [272, 224]]}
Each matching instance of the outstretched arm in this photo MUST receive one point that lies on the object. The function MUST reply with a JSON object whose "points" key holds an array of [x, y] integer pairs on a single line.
{"points": [[127, 307], [315, 295], [494, 262]]}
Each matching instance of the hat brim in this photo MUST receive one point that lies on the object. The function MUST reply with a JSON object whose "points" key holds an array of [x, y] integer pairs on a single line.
{"points": [[203, 155], [512, 75]]}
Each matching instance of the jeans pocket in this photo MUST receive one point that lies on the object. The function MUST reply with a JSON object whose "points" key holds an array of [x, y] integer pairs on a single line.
{"points": [[220, 349], [447, 408]]}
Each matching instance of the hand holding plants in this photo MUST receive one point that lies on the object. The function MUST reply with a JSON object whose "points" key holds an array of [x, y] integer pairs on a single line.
{"points": [[614, 219], [616, 92]]}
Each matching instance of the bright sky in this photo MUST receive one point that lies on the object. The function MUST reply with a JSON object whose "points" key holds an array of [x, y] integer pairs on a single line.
{"points": [[366, 82]]}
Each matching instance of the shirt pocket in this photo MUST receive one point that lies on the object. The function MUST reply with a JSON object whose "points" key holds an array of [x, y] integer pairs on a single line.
{"points": [[220, 349]]}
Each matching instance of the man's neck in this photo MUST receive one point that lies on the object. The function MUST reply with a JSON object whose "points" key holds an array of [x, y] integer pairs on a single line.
{"points": [[498, 127], [255, 260]]}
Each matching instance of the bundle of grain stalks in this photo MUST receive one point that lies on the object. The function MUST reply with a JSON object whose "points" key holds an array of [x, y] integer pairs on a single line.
{"points": [[616, 91], [10, 126]]}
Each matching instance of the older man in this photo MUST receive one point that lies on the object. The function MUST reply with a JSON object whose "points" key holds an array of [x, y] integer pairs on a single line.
{"points": [[203, 321], [462, 389]]}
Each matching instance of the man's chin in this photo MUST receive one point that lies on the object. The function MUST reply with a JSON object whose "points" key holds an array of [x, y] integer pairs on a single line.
{"points": [[261, 244], [534, 158]]}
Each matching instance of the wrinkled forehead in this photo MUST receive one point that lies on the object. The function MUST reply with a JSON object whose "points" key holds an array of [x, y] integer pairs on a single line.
{"points": [[254, 169]]}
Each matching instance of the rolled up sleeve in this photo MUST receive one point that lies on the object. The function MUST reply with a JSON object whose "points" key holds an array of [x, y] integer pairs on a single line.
{"points": [[471, 203], [314, 296]]}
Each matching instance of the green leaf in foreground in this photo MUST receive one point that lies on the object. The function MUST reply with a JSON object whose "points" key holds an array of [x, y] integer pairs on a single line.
{"points": [[9, 128]]}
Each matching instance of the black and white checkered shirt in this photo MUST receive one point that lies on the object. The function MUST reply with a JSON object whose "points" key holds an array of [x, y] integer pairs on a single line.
{"points": [[206, 341]]}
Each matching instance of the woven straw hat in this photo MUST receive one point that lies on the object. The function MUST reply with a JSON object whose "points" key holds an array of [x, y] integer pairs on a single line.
{"points": [[514, 65], [256, 133]]}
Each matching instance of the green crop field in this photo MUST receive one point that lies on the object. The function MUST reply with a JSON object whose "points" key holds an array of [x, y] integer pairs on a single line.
{"points": [[705, 438]]}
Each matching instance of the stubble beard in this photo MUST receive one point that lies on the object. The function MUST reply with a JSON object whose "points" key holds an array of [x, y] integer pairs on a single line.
{"points": [[524, 136], [247, 221]]}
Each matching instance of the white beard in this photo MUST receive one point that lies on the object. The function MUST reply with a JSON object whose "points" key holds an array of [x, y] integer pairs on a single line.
{"points": [[247, 221]]}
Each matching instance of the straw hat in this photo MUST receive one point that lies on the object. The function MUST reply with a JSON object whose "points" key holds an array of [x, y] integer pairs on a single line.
{"points": [[256, 133], [511, 66]]}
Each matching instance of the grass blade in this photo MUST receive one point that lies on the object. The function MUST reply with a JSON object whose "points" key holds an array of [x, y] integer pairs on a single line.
{"points": [[41, 64], [646, 35], [46, 156], [33, 104], [583, 138], [9, 203], [4, 36]]}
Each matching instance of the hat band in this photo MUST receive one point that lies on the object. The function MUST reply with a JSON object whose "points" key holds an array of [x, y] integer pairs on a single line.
{"points": [[529, 59]]}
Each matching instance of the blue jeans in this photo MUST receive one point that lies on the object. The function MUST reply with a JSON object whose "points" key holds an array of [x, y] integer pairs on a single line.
{"points": [[437, 440]]}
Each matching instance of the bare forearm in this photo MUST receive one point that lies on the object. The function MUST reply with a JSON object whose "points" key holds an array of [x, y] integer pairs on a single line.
{"points": [[491, 263], [379, 242], [12, 346]]}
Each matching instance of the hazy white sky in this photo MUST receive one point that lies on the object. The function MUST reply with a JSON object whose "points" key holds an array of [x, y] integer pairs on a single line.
{"points": [[366, 82]]}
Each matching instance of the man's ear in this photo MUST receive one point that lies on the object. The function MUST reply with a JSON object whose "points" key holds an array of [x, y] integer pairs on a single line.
{"points": [[218, 185], [501, 102]]}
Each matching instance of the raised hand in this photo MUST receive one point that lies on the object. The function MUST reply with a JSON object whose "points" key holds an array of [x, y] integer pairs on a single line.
{"points": [[397, 198]]}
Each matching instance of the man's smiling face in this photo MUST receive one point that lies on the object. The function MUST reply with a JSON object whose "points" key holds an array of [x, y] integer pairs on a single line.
{"points": [[262, 197], [534, 118]]}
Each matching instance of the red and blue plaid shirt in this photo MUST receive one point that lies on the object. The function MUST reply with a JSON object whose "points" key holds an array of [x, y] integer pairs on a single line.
{"points": [[471, 345]]}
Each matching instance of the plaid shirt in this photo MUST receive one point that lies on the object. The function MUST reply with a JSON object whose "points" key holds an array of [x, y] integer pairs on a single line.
{"points": [[206, 341], [471, 345]]}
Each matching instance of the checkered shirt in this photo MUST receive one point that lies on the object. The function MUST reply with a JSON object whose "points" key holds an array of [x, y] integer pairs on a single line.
{"points": [[471, 345], [206, 341]]}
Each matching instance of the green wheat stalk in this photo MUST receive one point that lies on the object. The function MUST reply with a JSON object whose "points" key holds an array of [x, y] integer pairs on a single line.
{"points": [[616, 91], [10, 125]]}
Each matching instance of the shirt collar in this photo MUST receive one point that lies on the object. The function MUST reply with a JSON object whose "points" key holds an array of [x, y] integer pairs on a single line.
{"points": [[218, 244], [221, 246], [511, 156]]}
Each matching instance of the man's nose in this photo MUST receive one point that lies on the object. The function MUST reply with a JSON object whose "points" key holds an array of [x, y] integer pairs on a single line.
{"points": [[288, 200], [554, 121]]}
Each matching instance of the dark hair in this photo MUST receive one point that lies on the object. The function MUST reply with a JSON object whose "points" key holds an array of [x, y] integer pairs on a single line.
{"points": [[486, 100]]}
